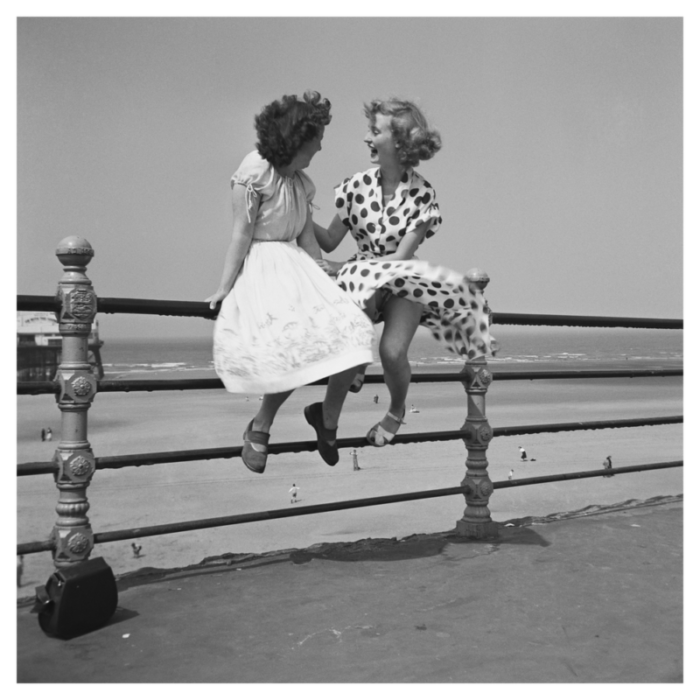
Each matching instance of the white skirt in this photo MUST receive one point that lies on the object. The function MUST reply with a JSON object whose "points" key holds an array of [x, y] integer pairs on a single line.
{"points": [[285, 323]]}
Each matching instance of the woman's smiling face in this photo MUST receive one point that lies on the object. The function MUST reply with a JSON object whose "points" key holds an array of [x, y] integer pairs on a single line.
{"points": [[382, 149]]}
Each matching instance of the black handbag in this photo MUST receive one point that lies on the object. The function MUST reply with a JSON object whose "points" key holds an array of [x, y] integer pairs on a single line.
{"points": [[77, 599]]}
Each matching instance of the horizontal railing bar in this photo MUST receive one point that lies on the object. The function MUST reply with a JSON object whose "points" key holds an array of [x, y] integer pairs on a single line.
{"points": [[151, 458], [585, 321], [36, 388], [587, 374], [33, 302], [164, 307], [128, 385], [202, 524]]}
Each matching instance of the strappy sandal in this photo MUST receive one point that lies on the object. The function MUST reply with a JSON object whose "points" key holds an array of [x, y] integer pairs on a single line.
{"points": [[255, 460], [357, 382], [378, 436], [325, 438]]}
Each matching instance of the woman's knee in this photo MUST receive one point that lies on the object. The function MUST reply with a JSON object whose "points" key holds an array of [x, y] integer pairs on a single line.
{"points": [[393, 353]]}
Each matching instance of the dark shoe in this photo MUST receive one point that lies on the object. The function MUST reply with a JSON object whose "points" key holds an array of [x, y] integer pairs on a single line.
{"points": [[325, 437], [254, 460]]}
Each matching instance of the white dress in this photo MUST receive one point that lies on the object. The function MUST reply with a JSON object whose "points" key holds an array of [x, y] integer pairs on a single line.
{"points": [[285, 323]]}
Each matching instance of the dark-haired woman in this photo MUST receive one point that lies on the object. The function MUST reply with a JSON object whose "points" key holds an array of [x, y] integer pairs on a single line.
{"points": [[390, 210], [283, 322]]}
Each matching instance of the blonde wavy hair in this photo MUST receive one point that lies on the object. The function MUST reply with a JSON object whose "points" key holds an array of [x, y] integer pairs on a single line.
{"points": [[415, 139]]}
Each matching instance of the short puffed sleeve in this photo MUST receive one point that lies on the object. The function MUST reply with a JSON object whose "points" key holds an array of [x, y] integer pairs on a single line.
{"points": [[425, 207], [257, 176], [309, 187]]}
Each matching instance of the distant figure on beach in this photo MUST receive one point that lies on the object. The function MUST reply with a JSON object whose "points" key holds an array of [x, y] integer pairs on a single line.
{"points": [[294, 491], [608, 465], [283, 323], [136, 549], [414, 409], [49, 435], [20, 569], [43, 434], [375, 398], [510, 475], [523, 455], [355, 463], [390, 210]]}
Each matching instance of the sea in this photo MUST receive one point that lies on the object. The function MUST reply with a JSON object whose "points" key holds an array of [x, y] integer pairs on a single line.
{"points": [[520, 346]]}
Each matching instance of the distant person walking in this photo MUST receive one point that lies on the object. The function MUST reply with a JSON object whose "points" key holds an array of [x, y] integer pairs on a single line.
{"points": [[510, 475], [49, 434], [375, 398], [294, 491], [136, 549], [355, 464], [608, 465], [523, 456], [43, 434]]}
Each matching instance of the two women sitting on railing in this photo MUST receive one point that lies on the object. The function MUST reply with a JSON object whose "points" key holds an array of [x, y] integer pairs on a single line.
{"points": [[283, 322]]}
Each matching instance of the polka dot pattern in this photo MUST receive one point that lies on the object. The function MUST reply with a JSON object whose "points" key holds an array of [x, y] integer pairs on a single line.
{"points": [[457, 318], [452, 311], [358, 201]]}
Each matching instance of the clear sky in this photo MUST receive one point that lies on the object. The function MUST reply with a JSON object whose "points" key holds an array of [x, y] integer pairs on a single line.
{"points": [[561, 172]]}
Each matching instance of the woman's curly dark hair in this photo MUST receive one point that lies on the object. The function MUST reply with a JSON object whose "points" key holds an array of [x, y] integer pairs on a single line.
{"points": [[285, 125], [415, 140]]}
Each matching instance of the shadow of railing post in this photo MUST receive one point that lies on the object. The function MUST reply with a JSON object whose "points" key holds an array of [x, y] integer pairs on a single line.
{"points": [[476, 521], [72, 534]]}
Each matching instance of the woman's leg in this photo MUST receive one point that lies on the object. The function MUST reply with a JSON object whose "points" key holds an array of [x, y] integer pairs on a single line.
{"points": [[401, 320], [336, 392], [271, 403], [257, 434]]}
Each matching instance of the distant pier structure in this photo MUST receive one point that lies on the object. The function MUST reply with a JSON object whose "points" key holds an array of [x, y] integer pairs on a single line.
{"points": [[39, 347]]}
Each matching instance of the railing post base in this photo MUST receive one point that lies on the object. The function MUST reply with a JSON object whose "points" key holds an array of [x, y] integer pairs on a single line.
{"points": [[477, 531]]}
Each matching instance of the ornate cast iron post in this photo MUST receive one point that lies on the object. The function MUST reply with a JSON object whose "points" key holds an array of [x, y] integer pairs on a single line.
{"points": [[75, 462], [476, 521]]}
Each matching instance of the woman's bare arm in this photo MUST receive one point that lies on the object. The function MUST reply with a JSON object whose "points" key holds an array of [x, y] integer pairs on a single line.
{"points": [[329, 239], [307, 240], [241, 239]]}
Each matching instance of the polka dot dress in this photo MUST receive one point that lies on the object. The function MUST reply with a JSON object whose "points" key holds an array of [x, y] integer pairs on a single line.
{"points": [[454, 310]]}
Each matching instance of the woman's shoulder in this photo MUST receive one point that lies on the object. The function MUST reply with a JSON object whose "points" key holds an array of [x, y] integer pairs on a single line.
{"points": [[255, 170], [417, 180], [307, 183], [362, 179]]}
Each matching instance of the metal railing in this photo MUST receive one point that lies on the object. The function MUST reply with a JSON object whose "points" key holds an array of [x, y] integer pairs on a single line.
{"points": [[74, 464]]}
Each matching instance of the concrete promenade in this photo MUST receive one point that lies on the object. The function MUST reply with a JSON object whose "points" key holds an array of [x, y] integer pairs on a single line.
{"points": [[593, 596]]}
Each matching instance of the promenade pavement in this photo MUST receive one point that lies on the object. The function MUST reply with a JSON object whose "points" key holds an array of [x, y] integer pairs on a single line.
{"points": [[593, 596]]}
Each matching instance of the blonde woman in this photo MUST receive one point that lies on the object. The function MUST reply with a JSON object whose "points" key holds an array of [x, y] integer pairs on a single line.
{"points": [[390, 210]]}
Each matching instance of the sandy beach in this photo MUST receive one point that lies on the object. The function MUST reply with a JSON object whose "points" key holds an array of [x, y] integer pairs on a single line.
{"points": [[164, 421]]}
